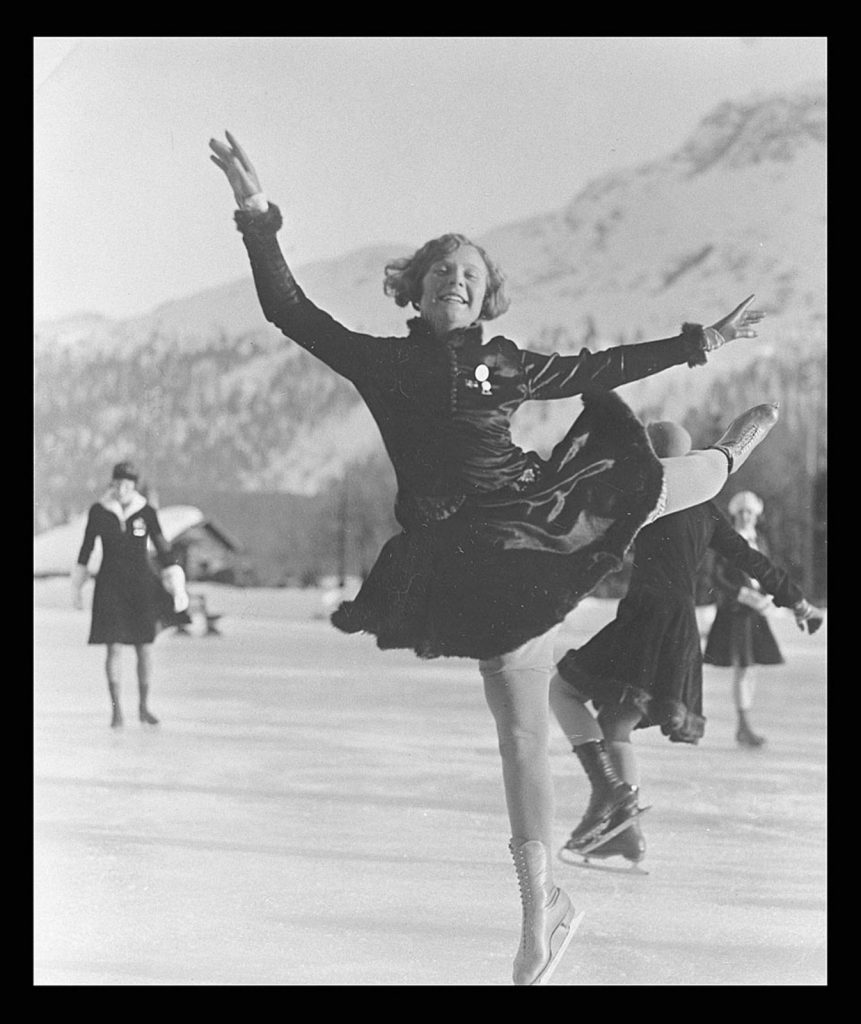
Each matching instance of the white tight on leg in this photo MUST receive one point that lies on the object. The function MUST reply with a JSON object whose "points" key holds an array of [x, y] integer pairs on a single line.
{"points": [[575, 719], [693, 478], [743, 687], [516, 689]]}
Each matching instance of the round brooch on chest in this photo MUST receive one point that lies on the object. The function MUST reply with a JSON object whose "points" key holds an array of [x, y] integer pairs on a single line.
{"points": [[482, 373]]}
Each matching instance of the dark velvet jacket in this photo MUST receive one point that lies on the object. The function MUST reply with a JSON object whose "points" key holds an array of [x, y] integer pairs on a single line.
{"points": [[447, 431], [668, 553], [124, 541]]}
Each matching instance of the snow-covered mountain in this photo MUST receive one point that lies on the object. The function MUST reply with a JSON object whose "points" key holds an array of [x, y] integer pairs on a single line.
{"points": [[205, 386]]}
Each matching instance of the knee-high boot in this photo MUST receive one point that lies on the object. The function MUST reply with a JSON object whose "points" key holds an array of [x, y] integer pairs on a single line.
{"points": [[611, 796], [631, 843], [549, 918]]}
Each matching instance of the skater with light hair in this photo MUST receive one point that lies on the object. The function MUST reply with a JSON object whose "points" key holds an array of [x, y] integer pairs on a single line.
{"points": [[497, 543], [644, 668], [129, 600], [740, 637]]}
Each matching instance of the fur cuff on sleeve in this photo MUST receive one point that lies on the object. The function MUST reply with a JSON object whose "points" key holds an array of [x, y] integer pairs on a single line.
{"points": [[696, 343], [252, 223]]}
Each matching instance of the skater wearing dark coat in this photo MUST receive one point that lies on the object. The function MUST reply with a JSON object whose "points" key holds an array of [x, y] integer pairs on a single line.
{"points": [[645, 667], [128, 598], [740, 636], [497, 544]]}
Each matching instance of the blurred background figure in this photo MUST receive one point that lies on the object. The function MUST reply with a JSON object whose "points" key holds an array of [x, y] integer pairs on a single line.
{"points": [[740, 636], [128, 598]]}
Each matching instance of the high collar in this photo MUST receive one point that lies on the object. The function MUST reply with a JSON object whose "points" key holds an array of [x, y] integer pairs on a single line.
{"points": [[134, 506], [420, 328]]}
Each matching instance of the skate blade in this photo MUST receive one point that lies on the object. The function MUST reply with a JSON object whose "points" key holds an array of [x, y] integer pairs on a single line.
{"points": [[633, 867], [556, 959], [599, 840]]}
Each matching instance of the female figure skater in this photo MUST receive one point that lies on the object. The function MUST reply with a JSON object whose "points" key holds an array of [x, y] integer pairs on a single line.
{"points": [[128, 598], [498, 545], [740, 636], [645, 667]]}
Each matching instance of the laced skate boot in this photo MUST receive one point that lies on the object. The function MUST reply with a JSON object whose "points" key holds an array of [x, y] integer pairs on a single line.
{"points": [[147, 717], [549, 918], [116, 718], [610, 795], [746, 737], [745, 433], [630, 844]]}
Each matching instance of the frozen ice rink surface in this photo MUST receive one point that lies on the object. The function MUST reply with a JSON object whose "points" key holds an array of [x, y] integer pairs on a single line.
{"points": [[313, 811]]}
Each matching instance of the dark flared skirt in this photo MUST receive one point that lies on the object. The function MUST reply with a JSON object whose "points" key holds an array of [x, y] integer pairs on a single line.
{"points": [[739, 635], [130, 606], [506, 567], [647, 659]]}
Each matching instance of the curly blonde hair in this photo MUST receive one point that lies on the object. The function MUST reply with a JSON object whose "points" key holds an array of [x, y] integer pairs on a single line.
{"points": [[403, 277]]}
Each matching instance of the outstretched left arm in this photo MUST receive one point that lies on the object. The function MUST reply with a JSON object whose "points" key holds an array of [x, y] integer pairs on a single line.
{"points": [[558, 376]]}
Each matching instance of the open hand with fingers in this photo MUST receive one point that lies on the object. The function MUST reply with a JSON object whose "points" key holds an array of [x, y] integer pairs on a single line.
{"points": [[233, 160], [740, 323]]}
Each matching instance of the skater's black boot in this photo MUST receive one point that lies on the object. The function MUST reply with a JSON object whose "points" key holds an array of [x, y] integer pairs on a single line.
{"points": [[610, 794], [630, 844], [745, 432], [745, 736], [146, 716]]}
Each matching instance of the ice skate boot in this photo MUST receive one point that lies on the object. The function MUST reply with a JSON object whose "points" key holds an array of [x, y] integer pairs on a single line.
{"points": [[116, 718], [745, 433], [746, 737], [549, 918], [610, 795], [629, 843], [147, 717]]}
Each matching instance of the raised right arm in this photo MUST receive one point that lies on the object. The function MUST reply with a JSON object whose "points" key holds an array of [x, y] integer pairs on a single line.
{"points": [[285, 305], [283, 302]]}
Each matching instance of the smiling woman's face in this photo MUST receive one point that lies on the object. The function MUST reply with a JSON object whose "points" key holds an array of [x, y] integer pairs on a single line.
{"points": [[453, 290]]}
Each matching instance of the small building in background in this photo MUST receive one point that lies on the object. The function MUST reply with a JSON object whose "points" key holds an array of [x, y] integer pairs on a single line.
{"points": [[205, 550]]}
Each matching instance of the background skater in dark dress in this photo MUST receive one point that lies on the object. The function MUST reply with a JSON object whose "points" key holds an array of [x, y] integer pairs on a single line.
{"points": [[497, 544], [128, 598], [645, 667], [740, 636]]}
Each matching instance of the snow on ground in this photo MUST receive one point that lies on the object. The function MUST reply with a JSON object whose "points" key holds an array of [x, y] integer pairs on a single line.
{"points": [[313, 811]]}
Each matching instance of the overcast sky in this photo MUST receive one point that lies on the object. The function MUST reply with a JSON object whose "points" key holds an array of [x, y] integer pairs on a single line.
{"points": [[360, 140]]}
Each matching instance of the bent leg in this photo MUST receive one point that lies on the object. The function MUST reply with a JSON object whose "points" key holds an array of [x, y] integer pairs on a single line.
{"points": [[692, 479], [575, 719], [617, 726]]}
